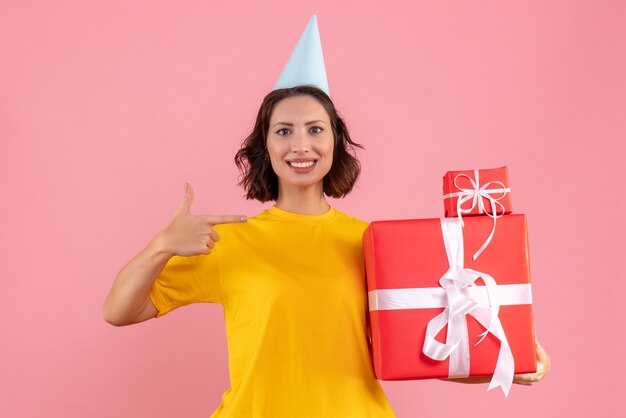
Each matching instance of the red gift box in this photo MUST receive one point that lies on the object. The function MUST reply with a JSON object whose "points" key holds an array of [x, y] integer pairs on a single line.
{"points": [[405, 261], [477, 192]]}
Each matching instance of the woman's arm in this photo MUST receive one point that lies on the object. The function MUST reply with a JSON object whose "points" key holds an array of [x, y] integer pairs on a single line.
{"points": [[129, 302]]}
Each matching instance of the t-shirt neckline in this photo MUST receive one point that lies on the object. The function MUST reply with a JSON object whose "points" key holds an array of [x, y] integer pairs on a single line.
{"points": [[292, 216]]}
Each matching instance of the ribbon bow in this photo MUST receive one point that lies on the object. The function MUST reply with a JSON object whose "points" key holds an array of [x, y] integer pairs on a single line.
{"points": [[476, 195], [464, 298]]}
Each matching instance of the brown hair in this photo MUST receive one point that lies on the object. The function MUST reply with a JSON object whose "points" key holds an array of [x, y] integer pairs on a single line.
{"points": [[257, 176]]}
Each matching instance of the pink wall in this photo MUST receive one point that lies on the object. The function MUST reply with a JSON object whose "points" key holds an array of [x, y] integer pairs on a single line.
{"points": [[107, 108]]}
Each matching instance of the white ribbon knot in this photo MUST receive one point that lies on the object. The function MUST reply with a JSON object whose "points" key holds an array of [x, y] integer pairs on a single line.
{"points": [[477, 196]]}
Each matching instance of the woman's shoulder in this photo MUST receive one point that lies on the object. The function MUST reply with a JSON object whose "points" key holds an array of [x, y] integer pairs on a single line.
{"points": [[352, 220]]}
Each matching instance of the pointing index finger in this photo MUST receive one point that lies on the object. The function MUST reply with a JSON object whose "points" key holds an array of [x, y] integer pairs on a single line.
{"points": [[225, 219]]}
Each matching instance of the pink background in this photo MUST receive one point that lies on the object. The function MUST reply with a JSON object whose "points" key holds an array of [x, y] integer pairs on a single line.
{"points": [[107, 108]]}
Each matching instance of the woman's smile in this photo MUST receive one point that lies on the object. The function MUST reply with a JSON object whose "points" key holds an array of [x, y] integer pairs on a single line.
{"points": [[303, 165]]}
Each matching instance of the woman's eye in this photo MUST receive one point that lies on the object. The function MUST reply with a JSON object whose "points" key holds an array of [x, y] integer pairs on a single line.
{"points": [[316, 130], [283, 132]]}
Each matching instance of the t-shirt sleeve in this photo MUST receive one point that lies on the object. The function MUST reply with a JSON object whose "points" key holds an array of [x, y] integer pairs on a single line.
{"points": [[186, 280]]}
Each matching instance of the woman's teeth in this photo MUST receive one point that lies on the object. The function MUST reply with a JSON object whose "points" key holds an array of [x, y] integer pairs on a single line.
{"points": [[301, 164]]}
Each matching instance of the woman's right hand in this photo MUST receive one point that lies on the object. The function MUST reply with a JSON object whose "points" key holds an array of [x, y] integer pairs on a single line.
{"points": [[188, 234], [128, 302]]}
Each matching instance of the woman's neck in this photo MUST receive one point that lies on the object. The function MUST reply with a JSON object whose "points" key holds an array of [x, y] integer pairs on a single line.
{"points": [[305, 201]]}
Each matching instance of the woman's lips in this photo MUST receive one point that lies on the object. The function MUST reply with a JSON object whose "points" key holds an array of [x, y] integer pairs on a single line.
{"points": [[302, 166]]}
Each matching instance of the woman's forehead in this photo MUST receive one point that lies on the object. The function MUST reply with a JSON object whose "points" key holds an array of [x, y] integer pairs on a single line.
{"points": [[300, 108]]}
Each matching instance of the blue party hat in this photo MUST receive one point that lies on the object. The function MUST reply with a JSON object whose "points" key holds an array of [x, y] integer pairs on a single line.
{"points": [[306, 63]]}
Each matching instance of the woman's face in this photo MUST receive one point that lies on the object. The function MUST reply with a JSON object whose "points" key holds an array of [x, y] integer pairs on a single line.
{"points": [[300, 142]]}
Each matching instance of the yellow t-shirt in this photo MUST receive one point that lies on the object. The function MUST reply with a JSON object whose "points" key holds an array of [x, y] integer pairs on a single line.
{"points": [[294, 296]]}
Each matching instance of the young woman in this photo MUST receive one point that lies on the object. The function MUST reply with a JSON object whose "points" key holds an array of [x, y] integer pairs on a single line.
{"points": [[291, 279]]}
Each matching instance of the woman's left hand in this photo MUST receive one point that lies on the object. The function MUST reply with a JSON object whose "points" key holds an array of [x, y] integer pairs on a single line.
{"points": [[543, 367]]}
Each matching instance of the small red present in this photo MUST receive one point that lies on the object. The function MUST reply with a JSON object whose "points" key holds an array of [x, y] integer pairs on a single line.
{"points": [[436, 313], [477, 192]]}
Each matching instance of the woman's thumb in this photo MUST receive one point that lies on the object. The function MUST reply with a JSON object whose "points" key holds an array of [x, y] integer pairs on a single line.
{"points": [[185, 205]]}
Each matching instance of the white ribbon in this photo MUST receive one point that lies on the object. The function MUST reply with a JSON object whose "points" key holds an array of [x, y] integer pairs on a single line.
{"points": [[459, 295], [476, 195]]}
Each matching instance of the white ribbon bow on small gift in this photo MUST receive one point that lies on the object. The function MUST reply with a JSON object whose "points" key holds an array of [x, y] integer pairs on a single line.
{"points": [[459, 296], [476, 195]]}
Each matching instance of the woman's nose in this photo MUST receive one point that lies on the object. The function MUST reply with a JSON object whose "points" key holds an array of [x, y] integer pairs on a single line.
{"points": [[300, 142]]}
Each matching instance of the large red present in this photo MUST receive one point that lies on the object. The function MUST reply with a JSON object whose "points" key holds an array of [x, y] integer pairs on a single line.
{"points": [[430, 303], [477, 192]]}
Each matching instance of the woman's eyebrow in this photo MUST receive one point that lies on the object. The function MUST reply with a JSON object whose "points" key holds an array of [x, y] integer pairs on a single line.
{"points": [[306, 124]]}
